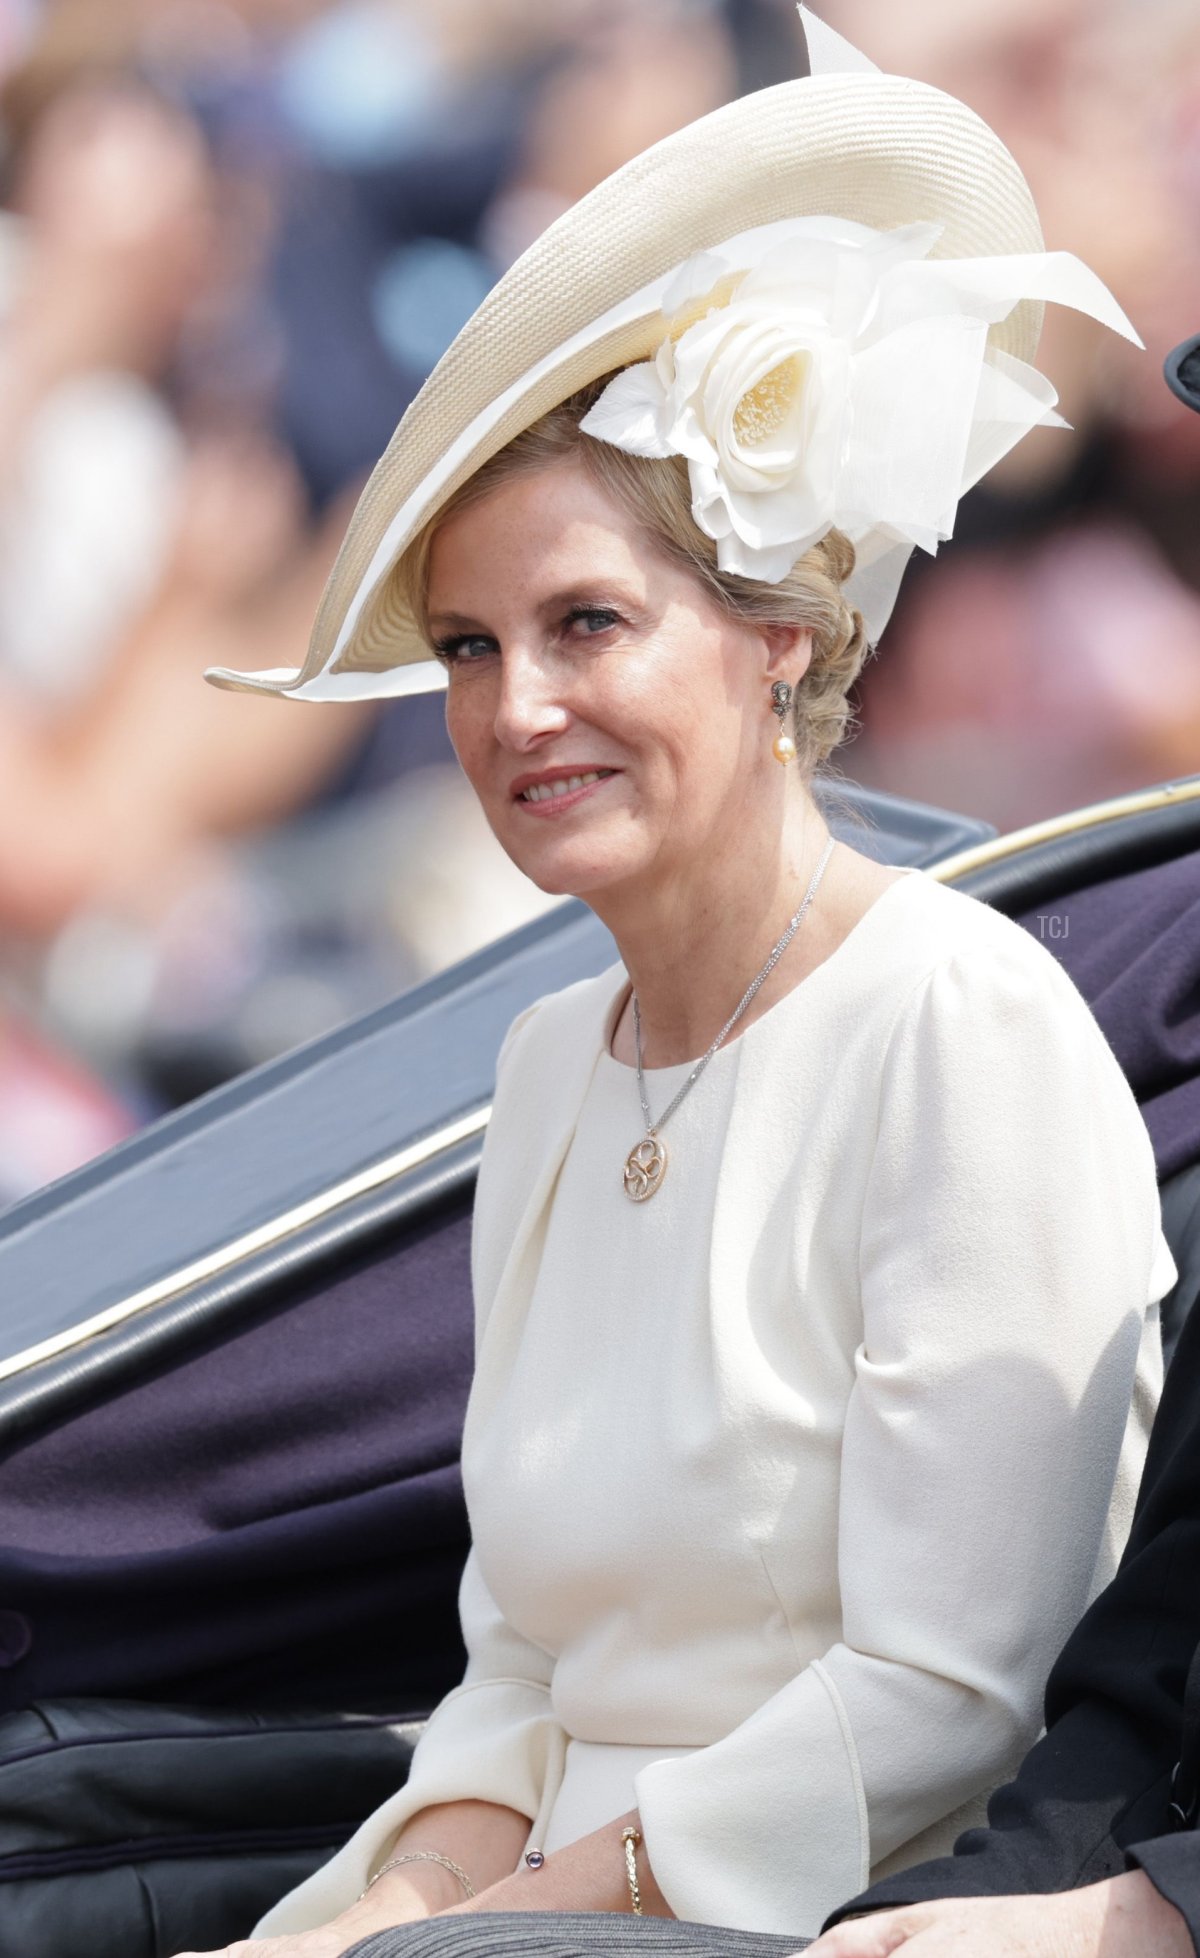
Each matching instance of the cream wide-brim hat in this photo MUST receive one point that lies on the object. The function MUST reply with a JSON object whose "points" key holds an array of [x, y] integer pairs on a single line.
{"points": [[880, 150]]}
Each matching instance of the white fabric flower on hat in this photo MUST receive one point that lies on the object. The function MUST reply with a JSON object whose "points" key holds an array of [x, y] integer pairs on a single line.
{"points": [[818, 373]]}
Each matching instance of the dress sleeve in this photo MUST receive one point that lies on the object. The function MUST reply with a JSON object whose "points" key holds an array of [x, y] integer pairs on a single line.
{"points": [[494, 1738], [1010, 1244]]}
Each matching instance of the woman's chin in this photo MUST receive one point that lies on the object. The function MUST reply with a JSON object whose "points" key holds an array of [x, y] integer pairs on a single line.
{"points": [[572, 873]]}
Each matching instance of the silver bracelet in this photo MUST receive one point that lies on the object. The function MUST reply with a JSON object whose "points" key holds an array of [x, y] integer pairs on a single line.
{"points": [[422, 1856]]}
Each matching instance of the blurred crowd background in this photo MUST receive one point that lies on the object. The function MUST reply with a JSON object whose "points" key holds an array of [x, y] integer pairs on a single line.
{"points": [[235, 236]]}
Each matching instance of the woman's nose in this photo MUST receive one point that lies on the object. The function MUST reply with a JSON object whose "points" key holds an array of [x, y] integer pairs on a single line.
{"points": [[529, 706]]}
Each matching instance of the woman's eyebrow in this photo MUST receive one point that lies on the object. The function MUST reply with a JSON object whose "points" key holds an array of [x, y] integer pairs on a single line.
{"points": [[593, 592], [456, 618]]}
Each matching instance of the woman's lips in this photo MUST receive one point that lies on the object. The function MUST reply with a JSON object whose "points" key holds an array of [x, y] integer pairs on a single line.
{"points": [[552, 797]]}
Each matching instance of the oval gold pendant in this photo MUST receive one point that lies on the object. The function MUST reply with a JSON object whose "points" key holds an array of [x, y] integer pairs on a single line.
{"points": [[645, 1167]]}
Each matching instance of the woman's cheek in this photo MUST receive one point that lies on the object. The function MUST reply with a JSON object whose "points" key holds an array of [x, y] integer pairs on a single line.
{"points": [[465, 726]]}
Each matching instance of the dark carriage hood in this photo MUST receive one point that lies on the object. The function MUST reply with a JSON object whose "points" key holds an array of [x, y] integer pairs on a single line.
{"points": [[1133, 949]]}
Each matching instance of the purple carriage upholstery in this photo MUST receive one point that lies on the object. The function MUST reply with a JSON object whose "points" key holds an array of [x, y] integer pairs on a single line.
{"points": [[273, 1519]]}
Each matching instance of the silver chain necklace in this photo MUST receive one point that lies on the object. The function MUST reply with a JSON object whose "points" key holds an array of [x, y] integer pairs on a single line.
{"points": [[646, 1163]]}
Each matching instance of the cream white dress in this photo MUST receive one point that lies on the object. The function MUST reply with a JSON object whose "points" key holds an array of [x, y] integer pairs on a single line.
{"points": [[787, 1485]]}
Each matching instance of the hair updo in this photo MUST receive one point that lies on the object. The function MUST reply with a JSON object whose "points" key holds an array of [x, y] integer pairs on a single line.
{"points": [[656, 493]]}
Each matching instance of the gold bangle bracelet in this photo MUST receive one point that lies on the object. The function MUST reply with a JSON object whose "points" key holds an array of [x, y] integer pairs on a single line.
{"points": [[423, 1856], [631, 1838]]}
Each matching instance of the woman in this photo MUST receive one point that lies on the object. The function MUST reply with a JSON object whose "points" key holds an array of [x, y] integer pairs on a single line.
{"points": [[815, 1239]]}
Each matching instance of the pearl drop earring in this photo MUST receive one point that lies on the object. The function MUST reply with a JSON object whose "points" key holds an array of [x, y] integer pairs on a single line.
{"points": [[783, 747]]}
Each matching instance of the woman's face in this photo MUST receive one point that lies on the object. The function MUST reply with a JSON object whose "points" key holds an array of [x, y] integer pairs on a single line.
{"points": [[615, 724]]}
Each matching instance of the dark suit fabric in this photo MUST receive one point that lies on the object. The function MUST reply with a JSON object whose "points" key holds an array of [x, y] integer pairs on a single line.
{"points": [[1092, 1798]]}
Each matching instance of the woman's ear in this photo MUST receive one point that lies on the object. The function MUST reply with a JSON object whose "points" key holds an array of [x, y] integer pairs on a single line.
{"points": [[789, 651]]}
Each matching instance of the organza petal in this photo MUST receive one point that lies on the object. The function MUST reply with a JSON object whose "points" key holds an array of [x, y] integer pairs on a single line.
{"points": [[693, 281], [695, 350], [710, 505], [991, 287], [838, 285], [912, 400], [799, 513], [874, 583], [631, 413], [768, 566], [690, 438], [914, 293], [1013, 398]]}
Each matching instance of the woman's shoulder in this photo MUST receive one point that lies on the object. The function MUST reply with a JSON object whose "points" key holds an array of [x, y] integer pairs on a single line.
{"points": [[571, 1020], [995, 1056], [971, 978], [947, 929]]}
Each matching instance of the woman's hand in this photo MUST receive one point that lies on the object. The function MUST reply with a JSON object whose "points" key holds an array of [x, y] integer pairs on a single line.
{"points": [[1122, 1918], [326, 1942], [405, 1896]]}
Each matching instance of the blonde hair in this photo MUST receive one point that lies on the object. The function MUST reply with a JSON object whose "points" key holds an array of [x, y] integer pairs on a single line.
{"points": [[656, 493]]}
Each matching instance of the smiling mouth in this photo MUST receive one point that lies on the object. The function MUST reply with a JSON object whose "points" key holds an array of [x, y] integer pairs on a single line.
{"points": [[566, 785]]}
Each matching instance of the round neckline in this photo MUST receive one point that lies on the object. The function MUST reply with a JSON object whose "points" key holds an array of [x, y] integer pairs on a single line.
{"points": [[908, 872]]}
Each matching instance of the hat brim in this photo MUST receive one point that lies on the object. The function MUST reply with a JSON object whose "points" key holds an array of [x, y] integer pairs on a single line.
{"points": [[881, 150]]}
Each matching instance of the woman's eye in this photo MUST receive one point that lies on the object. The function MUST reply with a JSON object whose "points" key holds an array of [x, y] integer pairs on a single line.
{"points": [[470, 648], [464, 648], [593, 619]]}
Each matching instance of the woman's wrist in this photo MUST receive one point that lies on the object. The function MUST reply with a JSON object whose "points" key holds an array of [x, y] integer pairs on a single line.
{"points": [[1137, 1918], [416, 1860], [588, 1874], [651, 1898], [404, 1895]]}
